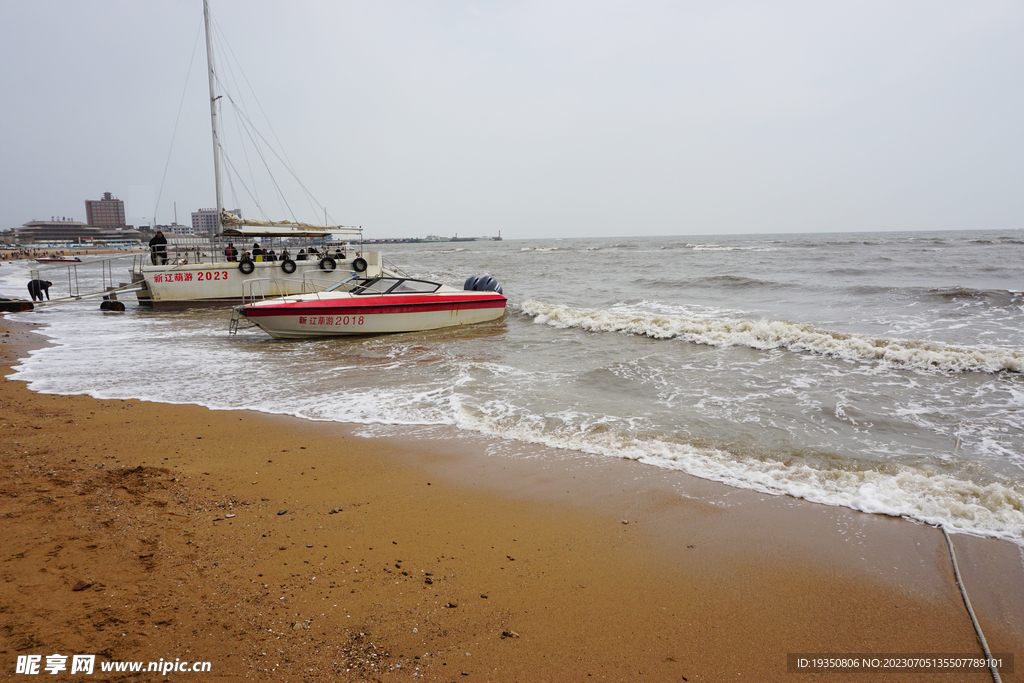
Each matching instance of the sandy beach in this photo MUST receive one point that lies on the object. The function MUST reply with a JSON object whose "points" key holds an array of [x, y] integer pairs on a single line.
{"points": [[278, 549]]}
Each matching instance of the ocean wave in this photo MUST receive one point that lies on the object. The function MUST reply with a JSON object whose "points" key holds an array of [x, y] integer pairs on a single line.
{"points": [[726, 247], [610, 246], [993, 509], [773, 334], [666, 281], [997, 298], [736, 282]]}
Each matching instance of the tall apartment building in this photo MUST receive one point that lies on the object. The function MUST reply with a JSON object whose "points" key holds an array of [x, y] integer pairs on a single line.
{"points": [[204, 221], [105, 213]]}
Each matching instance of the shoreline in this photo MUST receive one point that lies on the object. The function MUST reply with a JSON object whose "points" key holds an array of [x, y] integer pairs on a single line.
{"points": [[545, 567]]}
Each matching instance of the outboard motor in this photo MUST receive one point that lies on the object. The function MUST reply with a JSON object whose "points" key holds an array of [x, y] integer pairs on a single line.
{"points": [[482, 283]]}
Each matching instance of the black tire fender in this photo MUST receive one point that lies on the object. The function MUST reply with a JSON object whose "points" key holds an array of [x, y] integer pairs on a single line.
{"points": [[360, 265], [288, 266], [246, 266], [328, 264]]}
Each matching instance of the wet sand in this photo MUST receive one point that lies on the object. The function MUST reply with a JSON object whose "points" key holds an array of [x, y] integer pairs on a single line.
{"points": [[283, 550]]}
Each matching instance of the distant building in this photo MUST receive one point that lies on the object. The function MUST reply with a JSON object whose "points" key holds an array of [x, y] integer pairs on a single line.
{"points": [[54, 230], [67, 232], [204, 221], [176, 229], [105, 213]]}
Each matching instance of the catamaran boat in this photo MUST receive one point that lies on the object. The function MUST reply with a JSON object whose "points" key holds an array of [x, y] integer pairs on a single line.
{"points": [[59, 259], [376, 305], [206, 278], [173, 278]]}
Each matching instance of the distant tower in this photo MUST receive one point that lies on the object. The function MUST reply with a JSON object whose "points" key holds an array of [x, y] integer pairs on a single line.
{"points": [[105, 213]]}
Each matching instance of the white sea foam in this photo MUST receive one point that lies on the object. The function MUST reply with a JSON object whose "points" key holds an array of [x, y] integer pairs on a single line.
{"points": [[774, 334], [994, 509]]}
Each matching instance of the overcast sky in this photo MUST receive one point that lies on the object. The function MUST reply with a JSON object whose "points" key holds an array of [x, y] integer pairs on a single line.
{"points": [[543, 118]]}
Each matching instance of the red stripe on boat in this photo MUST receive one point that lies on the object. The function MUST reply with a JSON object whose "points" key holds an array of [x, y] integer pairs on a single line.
{"points": [[367, 306]]}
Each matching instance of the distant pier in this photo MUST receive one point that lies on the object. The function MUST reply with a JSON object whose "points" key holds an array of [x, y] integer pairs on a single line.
{"points": [[429, 239]]}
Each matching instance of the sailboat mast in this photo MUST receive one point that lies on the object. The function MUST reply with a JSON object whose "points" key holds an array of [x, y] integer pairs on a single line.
{"points": [[213, 117]]}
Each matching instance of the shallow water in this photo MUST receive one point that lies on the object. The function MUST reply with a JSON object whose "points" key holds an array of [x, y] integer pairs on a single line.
{"points": [[876, 371]]}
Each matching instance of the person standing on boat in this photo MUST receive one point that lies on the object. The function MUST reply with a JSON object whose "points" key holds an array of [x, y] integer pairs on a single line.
{"points": [[230, 253], [158, 249], [257, 253]]}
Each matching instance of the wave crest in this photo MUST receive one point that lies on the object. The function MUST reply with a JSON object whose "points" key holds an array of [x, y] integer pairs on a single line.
{"points": [[774, 334]]}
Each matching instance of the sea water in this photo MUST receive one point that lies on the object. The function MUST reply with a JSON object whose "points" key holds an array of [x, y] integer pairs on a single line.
{"points": [[882, 372]]}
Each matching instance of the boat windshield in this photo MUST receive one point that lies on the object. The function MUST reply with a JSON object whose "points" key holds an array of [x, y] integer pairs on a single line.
{"points": [[344, 284], [393, 285]]}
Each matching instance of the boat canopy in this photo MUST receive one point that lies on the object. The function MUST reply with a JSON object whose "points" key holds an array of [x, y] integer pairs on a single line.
{"points": [[248, 232], [241, 227]]}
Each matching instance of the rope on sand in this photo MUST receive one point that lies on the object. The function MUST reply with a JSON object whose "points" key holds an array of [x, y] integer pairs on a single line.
{"points": [[970, 610]]}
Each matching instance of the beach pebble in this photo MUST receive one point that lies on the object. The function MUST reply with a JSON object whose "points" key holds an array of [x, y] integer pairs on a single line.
{"points": [[452, 604], [281, 512], [509, 634], [82, 584]]}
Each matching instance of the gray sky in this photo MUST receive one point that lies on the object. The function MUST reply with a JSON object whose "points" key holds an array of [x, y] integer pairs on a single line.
{"points": [[535, 119]]}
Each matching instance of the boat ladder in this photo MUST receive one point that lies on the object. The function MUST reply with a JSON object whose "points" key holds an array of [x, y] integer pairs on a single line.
{"points": [[236, 318]]}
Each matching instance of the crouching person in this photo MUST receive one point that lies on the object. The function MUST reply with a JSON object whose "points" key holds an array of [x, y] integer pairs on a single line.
{"points": [[36, 289]]}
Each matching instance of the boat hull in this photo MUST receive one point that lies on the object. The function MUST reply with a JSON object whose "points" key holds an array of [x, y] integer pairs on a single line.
{"points": [[175, 287], [375, 315]]}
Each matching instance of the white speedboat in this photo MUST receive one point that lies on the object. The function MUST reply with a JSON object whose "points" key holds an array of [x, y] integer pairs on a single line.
{"points": [[378, 305]]}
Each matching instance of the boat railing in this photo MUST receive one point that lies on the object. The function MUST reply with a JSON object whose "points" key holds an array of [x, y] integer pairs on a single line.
{"points": [[195, 254], [106, 265], [179, 254], [259, 289]]}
